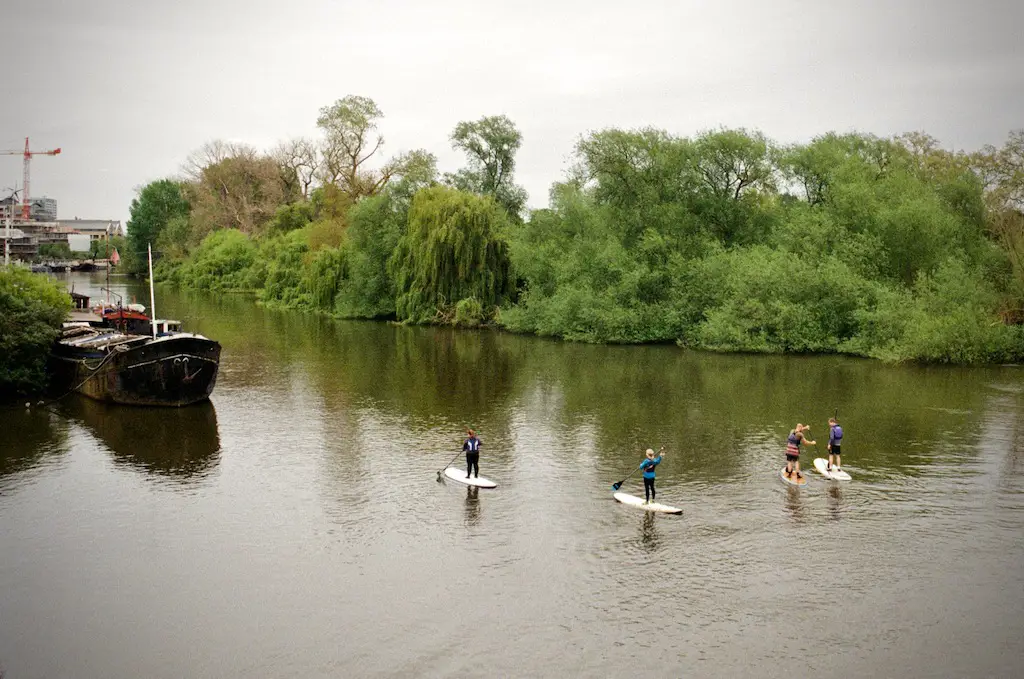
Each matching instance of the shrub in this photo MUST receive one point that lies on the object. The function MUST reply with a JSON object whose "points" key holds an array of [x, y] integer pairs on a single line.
{"points": [[32, 308]]}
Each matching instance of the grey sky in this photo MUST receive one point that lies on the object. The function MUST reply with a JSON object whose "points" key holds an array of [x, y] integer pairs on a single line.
{"points": [[129, 89]]}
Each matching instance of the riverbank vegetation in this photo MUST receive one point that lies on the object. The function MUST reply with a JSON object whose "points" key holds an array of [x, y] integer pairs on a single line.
{"points": [[32, 308], [893, 248]]}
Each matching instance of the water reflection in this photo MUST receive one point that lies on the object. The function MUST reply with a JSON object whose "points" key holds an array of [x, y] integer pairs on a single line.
{"points": [[441, 375], [29, 436], [795, 504], [650, 540], [835, 501], [177, 442], [472, 505]]}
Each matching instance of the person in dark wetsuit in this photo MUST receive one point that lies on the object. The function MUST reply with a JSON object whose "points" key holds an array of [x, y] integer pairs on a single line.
{"points": [[472, 448], [648, 466], [835, 441], [793, 443]]}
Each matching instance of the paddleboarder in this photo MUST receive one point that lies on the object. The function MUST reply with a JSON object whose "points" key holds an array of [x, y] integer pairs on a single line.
{"points": [[835, 441], [648, 465], [793, 443], [472, 447]]}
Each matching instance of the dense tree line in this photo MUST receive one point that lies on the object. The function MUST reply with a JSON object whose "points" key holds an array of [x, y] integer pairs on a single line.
{"points": [[32, 308], [893, 248]]}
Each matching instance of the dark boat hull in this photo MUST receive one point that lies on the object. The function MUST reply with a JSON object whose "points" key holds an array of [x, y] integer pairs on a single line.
{"points": [[168, 371]]}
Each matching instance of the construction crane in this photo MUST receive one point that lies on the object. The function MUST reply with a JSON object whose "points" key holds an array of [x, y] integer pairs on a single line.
{"points": [[28, 157]]}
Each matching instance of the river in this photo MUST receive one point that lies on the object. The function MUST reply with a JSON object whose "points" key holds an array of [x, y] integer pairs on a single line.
{"points": [[295, 527]]}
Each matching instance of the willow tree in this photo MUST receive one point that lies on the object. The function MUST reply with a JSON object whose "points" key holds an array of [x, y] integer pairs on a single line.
{"points": [[452, 264]]}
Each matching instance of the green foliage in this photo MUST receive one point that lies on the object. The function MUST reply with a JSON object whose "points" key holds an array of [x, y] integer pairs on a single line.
{"points": [[291, 217], [32, 308], [330, 202], [490, 145], [323, 277], [283, 285], [656, 238], [223, 261], [734, 172], [157, 204], [101, 249], [469, 313], [377, 224], [298, 277], [55, 251], [454, 248], [891, 248], [325, 233], [173, 241], [775, 301], [949, 318]]}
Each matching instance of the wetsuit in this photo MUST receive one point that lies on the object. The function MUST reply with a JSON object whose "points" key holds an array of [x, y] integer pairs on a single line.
{"points": [[472, 448], [648, 467]]}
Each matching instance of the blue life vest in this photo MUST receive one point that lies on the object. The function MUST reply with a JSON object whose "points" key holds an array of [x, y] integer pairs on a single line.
{"points": [[648, 467]]}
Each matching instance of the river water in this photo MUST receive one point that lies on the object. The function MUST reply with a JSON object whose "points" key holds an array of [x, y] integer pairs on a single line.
{"points": [[295, 526]]}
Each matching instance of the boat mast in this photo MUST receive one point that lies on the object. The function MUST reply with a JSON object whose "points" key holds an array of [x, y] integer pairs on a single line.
{"points": [[108, 264], [152, 298]]}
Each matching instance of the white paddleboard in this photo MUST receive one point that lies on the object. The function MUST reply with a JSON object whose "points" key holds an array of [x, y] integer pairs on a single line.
{"points": [[792, 481], [634, 501], [821, 464], [456, 474]]}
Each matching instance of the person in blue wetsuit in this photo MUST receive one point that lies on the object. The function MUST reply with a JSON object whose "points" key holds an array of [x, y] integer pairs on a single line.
{"points": [[472, 447], [648, 466], [835, 442]]}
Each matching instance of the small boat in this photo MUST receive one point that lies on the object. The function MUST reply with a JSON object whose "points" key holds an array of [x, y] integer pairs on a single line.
{"points": [[118, 354]]}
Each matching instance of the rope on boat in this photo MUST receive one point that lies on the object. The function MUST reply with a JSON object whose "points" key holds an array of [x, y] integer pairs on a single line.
{"points": [[119, 348]]}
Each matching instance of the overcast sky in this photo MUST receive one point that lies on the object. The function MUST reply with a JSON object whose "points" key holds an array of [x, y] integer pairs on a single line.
{"points": [[129, 89]]}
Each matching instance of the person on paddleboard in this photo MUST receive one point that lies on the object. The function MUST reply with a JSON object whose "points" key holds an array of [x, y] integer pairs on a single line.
{"points": [[835, 441], [472, 447], [793, 443], [648, 465]]}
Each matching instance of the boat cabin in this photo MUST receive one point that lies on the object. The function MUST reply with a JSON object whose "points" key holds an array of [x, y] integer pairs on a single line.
{"points": [[166, 327], [79, 301]]}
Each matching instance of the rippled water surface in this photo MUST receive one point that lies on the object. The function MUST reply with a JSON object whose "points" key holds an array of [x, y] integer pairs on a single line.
{"points": [[295, 526]]}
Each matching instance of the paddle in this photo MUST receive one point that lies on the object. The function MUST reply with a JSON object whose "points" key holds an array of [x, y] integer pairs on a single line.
{"points": [[448, 465], [616, 486]]}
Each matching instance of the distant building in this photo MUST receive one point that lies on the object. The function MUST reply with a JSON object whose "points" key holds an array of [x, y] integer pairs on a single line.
{"points": [[98, 229], [79, 242], [42, 209], [44, 229], [21, 247]]}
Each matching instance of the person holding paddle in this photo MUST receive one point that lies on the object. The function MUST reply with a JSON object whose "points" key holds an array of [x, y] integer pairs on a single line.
{"points": [[648, 465], [793, 443], [472, 447]]}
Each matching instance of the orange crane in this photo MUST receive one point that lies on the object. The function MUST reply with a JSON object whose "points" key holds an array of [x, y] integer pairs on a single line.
{"points": [[28, 156]]}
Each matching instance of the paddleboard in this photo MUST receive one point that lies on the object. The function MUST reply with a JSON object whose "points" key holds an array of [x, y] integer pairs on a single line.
{"points": [[634, 501], [792, 481], [821, 464], [456, 474]]}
